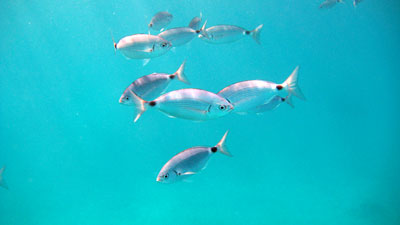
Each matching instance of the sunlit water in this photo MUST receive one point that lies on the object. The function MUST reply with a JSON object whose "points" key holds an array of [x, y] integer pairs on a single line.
{"points": [[74, 155]]}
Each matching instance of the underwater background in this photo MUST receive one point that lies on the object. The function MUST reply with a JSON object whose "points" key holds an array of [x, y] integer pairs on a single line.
{"points": [[74, 155]]}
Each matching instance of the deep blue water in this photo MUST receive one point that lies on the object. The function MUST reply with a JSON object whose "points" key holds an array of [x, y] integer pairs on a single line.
{"points": [[74, 155]]}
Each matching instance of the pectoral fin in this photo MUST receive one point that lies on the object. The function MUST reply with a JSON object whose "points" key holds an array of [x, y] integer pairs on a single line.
{"points": [[187, 173]]}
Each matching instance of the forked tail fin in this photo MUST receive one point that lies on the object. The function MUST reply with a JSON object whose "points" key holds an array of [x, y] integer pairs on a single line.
{"points": [[203, 30], [181, 74], [291, 84], [140, 104], [255, 34], [222, 147]]}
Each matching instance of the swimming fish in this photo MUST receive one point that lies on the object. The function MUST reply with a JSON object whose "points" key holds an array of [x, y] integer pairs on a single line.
{"points": [[160, 21], [270, 105], [189, 162], [222, 34], [151, 86], [181, 35], [355, 2], [2, 181], [329, 3], [142, 46], [195, 22], [190, 104], [255, 95]]}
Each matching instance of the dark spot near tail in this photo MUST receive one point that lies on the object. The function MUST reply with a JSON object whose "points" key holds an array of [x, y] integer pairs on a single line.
{"points": [[248, 32], [283, 99], [279, 87], [152, 103], [214, 149], [151, 25], [197, 31], [172, 76]]}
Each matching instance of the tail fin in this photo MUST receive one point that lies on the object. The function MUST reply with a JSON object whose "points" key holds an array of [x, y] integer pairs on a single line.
{"points": [[221, 145], [292, 86], [140, 105], [203, 30], [255, 34], [288, 100], [181, 74]]}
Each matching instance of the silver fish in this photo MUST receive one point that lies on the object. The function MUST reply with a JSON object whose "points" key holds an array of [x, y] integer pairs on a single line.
{"points": [[151, 86], [160, 21], [329, 4], [195, 23], [254, 95], [191, 104], [181, 35], [189, 162], [142, 46], [2, 181], [222, 34], [270, 105]]}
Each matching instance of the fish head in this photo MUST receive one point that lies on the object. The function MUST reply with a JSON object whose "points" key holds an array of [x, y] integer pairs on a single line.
{"points": [[126, 98], [162, 45], [220, 108], [167, 176]]}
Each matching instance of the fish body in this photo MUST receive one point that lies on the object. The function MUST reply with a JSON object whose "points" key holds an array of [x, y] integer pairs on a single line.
{"points": [[193, 104], [329, 4], [222, 34], [181, 35], [151, 86], [160, 21], [270, 105], [189, 162], [142, 46], [190, 104], [257, 95], [2, 181]]}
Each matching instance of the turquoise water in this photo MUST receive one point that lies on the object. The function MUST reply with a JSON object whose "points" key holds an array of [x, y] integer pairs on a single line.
{"points": [[74, 155]]}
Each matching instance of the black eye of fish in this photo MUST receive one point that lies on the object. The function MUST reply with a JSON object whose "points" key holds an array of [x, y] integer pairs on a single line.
{"points": [[163, 44], [221, 107], [166, 175], [127, 98]]}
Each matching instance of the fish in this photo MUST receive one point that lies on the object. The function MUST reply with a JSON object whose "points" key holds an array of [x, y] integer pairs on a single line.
{"points": [[151, 86], [329, 4], [255, 95], [181, 35], [160, 21], [2, 181], [190, 162], [270, 105], [195, 22], [191, 104], [142, 46], [222, 34], [356, 2]]}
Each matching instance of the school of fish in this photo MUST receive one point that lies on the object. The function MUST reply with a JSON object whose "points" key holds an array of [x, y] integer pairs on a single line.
{"points": [[149, 92], [243, 97]]}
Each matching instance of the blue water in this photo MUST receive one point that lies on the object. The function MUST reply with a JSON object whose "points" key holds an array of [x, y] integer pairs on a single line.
{"points": [[74, 155]]}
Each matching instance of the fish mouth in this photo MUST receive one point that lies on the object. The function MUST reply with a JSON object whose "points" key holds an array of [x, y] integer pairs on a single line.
{"points": [[121, 100], [158, 179]]}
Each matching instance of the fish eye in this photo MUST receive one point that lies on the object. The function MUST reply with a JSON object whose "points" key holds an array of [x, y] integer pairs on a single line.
{"points": [[164, 44], [222, 107], [126, 97], [166, 175]]}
